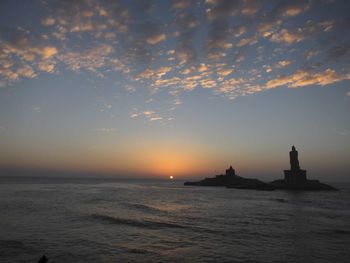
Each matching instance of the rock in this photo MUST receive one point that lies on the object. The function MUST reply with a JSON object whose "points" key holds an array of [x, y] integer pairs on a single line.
{"points": [[231, 180], [294, 179], [309, 185], [43, 259]]}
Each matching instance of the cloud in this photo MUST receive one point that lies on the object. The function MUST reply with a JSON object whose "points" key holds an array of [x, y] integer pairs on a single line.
{"points": [[186, 71], [202, 67], [208, 83], [250, 7], [26, 71], [231, 88], [290, 8], [326, 25], [283, 63], [150, 115], [218, 15], [310, 54], [295, 9], [82, 27], [247, 41], [48, 52], [224, 72], [158, 83], [91, 59], [186, 24], [156, 38], [240, 31], [48, 21], [47, 66], [181, 4], [221, 9], [287, 37], [148, 74], [267, 28], [155, 118], [305, 78]]}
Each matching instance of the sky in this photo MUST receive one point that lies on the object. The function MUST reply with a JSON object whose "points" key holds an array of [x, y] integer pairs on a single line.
{"points": [[182, 88]]}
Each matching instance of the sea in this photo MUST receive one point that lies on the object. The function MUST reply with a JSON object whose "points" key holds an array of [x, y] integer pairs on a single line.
{"points": [[116, 220]]}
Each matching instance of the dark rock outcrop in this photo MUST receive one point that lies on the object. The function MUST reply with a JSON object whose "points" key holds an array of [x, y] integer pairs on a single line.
{"points": [[43, 259], [308, 185], [294, 179], [231, 180]]}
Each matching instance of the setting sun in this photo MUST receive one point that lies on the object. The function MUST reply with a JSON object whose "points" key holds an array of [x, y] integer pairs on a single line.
{"points": [[171, 177]]}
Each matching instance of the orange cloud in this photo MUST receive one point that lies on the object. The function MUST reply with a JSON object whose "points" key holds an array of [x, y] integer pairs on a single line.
{"points": [[285, 36], [304, 78], [155, 39]]}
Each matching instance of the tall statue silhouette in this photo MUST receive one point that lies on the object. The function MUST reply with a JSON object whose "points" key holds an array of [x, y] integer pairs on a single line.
{"points": [[295, 177], [294, 162]]}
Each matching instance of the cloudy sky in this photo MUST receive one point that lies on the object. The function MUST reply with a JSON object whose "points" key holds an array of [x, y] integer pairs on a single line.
{"points": [[185, 88]]}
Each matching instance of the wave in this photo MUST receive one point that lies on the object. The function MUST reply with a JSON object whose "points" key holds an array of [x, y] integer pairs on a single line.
{"points": [[281, 200], [145, 208], [155, 225], [11, 244], [97, 200], [135, 223], [335, 233], [341, 231]]}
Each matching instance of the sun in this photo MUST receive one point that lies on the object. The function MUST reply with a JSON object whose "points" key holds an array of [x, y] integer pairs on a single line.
{"points": [[171, 177]]}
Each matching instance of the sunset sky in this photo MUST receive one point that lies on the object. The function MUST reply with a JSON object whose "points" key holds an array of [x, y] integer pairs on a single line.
{"points": [[182, 88]]}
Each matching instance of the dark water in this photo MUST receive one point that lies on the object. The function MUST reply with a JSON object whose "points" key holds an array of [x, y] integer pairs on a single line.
{"points": [[152, 221]]}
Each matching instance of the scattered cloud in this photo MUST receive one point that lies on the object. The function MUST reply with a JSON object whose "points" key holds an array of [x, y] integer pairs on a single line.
{"points": [[91, 59], [47, 66], [230, 47], [305, 78]]}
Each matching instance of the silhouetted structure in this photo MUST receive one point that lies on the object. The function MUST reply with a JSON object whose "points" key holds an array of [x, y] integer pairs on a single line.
{"points": [[230, 172], [295, 178], [43, 259], [231, 180]]}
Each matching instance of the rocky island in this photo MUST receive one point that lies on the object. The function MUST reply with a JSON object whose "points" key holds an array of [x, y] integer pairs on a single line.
{"points": [[231, 180], [294, 179]]}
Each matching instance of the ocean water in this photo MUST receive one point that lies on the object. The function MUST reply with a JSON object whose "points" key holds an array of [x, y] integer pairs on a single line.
{"points": [[91, 220]]}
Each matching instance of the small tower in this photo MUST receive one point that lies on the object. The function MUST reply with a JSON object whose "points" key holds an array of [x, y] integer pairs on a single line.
{"points": [[230, 172]]}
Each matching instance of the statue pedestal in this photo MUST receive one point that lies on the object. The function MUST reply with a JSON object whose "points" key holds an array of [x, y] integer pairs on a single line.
{"points": [[295, 178]]}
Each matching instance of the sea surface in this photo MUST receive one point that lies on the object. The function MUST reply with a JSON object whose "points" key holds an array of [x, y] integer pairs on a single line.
{"points": [[104, 220]]}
